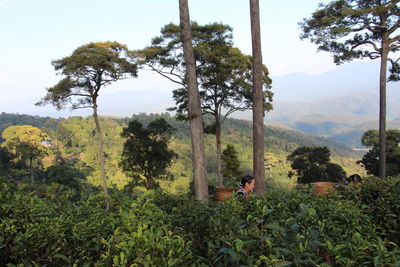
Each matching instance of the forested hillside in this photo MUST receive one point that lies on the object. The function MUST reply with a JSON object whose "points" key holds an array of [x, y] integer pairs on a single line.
{"points": [[73, 140]]}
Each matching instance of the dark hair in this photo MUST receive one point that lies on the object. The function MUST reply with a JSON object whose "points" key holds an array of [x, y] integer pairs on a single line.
{"points": [[354, 178], [246, 179]]}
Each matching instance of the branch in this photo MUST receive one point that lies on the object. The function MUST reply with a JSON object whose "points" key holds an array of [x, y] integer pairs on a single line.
{"points": [[367, 42], [395, 39], [374, 55], [394, 47], [393, 28], [82, 107], [164, 74]]}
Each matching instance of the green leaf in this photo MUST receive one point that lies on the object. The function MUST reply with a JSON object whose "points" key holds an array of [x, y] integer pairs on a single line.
{"points": [[60, 256], [283, 264]]}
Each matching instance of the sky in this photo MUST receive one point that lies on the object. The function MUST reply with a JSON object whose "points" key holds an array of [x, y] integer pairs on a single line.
{"points": [[35, 32]]}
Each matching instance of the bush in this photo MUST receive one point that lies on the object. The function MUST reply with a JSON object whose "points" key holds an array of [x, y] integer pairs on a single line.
{"points": [[144, 238], [280, 228]]}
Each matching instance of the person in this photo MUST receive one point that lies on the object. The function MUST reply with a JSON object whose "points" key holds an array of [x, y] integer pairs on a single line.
{"points": [[246, 186]]}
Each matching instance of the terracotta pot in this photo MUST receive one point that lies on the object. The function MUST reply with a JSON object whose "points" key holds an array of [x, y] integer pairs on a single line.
{"points": [[323, 188], [222, 193]]}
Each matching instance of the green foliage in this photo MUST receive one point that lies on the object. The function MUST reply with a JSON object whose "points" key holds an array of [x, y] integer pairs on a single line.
{"points": [[379, 199], [5, 160], [224, 74], [312, 164], [48, 226], [146, 150], [49, 230], [25, 141], [89, 68], [370, 160], [353, 29], [144, 238], [65, 175], [73, 144], [10, 119], [231, 167]]}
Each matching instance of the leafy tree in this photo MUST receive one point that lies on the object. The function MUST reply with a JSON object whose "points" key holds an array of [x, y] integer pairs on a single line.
{"points": [[223, 72], [146, 151], [270, 161], [352, 29], [25, 141], [64, 174], [312, 164], [5, 160], [87, 70], [231, 168], [258, 99], [371, 159], [194, 108]]}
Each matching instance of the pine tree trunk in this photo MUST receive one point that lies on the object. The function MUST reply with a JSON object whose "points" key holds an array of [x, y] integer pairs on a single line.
{"points": [[382, 110], [100, 156], [220, 180], [195, 118], [258, 99]]}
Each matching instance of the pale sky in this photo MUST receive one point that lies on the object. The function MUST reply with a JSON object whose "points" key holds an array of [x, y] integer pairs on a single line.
{"points": [[35, 32]]}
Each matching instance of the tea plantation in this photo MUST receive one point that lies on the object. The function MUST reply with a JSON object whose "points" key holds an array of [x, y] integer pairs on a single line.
{"points": [[55, 225]]}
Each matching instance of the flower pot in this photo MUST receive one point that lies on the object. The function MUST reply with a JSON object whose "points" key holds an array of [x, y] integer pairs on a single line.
{"points": [[222, 193], [323, 188]]}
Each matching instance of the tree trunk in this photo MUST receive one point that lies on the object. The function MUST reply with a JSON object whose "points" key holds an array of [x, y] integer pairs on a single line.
{"points": [[31, 169], [195, 119], [382, 110], [149, 183], [220, 180], [100, 156], [258, 100]]}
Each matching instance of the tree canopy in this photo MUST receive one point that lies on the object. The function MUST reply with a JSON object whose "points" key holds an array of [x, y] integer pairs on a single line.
{"points": [[26, 143], [231, 167], [86, 71], [352, 29], [146, 151], [371, 159], [224, 74], [312, 164]]}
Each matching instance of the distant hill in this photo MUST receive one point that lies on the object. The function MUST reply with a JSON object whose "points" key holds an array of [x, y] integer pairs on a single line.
{"points": [[9, 119], [340, 104], [352, 136], [276, 138], [77, 142]]}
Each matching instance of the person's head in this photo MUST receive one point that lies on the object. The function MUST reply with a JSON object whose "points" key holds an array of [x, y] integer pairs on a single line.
{"points": [[247, 183]]}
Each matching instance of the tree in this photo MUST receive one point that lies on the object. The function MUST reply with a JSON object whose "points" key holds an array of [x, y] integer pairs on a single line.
{"points": [[258, 100], [146, 151], [270, 162], [223, 72], [5, 160], [371, 159], [231, 167], [351, 29], [194, 108], [312, 164], [25, 141], [87, 70]]}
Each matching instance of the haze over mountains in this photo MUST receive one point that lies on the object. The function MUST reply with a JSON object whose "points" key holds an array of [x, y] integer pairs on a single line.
{"points": [[340, 104]]}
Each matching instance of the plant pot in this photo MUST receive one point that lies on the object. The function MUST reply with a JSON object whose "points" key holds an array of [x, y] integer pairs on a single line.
{"points": [[323, 188], [222, 193]]}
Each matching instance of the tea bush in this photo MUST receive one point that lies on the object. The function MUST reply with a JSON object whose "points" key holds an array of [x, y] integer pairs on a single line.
{"points": [[55, 225], [144, 238]]}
